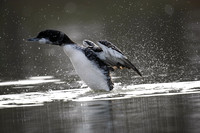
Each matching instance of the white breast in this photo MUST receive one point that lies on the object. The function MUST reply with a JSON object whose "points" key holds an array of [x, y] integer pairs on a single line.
{"points": [[86, 69]]}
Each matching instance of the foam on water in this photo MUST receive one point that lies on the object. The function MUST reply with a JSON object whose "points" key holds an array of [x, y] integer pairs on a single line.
{"points": [[85, 94], [145, 90], [31, 81]]}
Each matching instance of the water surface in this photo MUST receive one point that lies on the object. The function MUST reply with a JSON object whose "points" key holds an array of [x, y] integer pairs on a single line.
{"points": [[179, 113]]}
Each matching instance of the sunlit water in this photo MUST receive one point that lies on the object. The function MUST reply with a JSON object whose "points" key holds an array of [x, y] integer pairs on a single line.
{"points": [[161, 107], [86, 94]]}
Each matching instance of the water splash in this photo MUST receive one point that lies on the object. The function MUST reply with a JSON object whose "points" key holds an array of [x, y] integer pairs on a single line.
{"points": [[85, 94], [31, 81], [145, 90]]}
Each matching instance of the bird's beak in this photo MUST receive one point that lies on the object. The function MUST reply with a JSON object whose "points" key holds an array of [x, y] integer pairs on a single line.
{"points": [[33, 39], [40, 40]]}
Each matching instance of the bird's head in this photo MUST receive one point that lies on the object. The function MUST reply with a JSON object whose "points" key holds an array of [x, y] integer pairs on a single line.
{"points": [[53, 37]]}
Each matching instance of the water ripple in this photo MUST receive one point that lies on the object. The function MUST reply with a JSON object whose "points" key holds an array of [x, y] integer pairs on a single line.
{"points": [[85, 94]]}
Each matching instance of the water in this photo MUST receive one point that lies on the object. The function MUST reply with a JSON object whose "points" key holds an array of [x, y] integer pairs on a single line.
{"points": [[161, 107], [175, 113], [40, 91]]}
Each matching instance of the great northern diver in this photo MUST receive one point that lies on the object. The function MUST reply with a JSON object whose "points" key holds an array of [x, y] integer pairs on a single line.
{"points": [[92, 62]]}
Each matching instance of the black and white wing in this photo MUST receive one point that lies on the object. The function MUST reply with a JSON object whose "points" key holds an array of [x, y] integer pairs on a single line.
{"points": [[110, 55], [92, 45], [114, 57]]}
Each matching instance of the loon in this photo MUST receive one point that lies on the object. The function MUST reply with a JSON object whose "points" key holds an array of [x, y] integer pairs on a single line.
{"points": [[92, 62]]}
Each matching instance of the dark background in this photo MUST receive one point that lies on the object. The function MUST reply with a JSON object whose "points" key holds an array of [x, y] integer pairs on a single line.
{"points": [[160, 37]]}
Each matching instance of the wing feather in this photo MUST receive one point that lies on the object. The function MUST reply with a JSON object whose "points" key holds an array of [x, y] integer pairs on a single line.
{"points": [[92, 45], [112, 56]]}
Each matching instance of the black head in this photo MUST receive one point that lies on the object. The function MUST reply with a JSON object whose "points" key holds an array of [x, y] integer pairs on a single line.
{"points": [[52, 37]]}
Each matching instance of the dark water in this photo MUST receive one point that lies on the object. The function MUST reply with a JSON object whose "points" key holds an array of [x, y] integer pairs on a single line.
{"points": [[40, 92], [173, 114]]}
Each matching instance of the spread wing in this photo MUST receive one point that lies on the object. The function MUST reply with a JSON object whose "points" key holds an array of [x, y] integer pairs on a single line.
{"points": [[92, 45], [111, 55]]}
